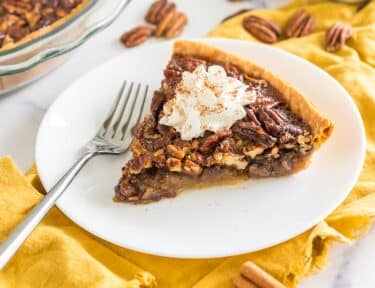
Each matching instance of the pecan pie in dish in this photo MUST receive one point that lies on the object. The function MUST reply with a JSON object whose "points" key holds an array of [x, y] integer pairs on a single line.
{"points": [[218, 119], [25, 20]]}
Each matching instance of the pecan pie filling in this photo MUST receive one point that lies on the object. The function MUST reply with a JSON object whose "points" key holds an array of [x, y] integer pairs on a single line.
{"points": [[20, 18], [269, 141]]}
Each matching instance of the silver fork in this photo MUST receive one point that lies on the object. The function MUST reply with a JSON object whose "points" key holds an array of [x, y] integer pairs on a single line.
{"points": [[114, 137]]}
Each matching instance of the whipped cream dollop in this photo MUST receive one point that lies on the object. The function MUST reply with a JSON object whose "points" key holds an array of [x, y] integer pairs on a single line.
{"points": [[206, 101]]}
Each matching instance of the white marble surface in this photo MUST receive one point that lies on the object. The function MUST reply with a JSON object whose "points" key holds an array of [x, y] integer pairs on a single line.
{"points": [[21, 113]]}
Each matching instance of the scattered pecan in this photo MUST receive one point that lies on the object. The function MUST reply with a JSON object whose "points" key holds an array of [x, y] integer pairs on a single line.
{"points": [[212, 140], [242, 11], [177, 26], [153, 11], [362, 4], [263, 29], [136, 36], [337, 35], [300, 24], [158, 10], [163, 24], [171, 25], [167, 8]]}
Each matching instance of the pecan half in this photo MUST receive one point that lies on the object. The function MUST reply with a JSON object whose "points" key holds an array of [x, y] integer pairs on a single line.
{"points": [[254, 132], [263, 29], [172, 25], [158, 10], [162, 26], [136, 36], [337, 35], [167, 8], [177, 26], [153, 11], [212, 140], [300, 24], [251, 114]]}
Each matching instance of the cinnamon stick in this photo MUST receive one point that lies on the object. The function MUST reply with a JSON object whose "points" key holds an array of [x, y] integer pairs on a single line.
{"points": [[258, 276], [242, 282]]}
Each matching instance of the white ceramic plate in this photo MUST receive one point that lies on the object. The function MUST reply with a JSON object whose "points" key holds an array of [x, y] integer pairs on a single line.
{"points": [[215, 222]]}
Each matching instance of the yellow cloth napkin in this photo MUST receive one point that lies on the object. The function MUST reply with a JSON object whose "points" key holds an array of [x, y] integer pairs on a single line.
{"points": [[60, 254]]}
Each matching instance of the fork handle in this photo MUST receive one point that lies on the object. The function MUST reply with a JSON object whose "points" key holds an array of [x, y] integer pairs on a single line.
{"points": [[9, 247]]}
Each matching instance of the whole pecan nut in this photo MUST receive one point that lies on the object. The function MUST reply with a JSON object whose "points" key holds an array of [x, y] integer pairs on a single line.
{"points": [[337, 35], [177, 25], [263, 29], [153, 11], [158, 10], [168, 7], [171, 25], [136, 36], [300, 24]]}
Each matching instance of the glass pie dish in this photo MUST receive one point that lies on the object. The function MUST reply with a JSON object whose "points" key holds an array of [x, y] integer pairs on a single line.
{"points": [[29, 61]]}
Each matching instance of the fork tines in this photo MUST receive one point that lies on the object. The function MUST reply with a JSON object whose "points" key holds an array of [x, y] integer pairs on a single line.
{"points": [[126, 111]]}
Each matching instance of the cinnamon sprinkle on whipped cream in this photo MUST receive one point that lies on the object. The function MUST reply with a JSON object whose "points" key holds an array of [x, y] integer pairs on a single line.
{"points": [[206, 100]]}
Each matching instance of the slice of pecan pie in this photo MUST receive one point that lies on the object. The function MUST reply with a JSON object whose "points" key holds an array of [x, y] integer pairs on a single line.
{"points": [[25, 20], [218, 119]]}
